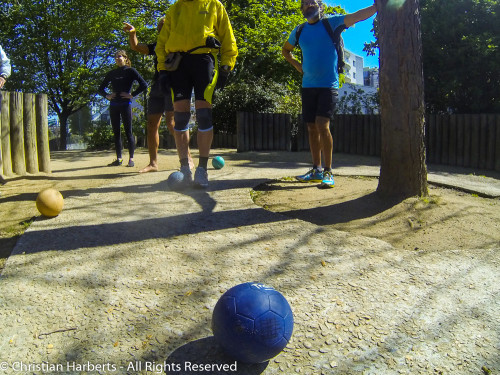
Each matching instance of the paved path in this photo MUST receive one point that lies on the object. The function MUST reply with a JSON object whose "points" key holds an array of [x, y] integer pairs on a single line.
{"points": [[129, 273]]}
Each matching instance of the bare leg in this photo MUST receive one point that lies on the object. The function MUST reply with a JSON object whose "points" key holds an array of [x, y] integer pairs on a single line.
{"points": [[314, 143], [204, 138], [323, 126], [169, 118], [154, 121], [182, 137]]}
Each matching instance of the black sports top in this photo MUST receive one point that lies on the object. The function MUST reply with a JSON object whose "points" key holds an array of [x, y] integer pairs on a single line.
{"points": [[121, 80]]}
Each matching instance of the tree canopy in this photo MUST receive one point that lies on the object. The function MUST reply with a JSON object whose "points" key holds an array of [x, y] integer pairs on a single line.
{"points": [[461, 55], [63, 47]]}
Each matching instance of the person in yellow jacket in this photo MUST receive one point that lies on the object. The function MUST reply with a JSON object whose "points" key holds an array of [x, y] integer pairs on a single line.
{"points": [[193, 34]]}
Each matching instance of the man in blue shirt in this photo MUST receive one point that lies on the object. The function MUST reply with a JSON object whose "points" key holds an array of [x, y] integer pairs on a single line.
{"points": [[320, 81]]}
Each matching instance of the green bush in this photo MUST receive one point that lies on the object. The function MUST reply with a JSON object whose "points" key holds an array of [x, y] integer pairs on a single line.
{"points": [[258, 96], [100, 138]]}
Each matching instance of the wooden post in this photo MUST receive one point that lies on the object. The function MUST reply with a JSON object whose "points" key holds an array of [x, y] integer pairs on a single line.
{"points": [[474, 146], [373, 135], [460, 141], [17, 133], [452, 140], [497, 143], [483, 140], [366, 135], [467, 140], [258, 131], [240, 131], [288, 132], [445, 126], [250, 124], [270, 131], [490, 148], [5, 135], [347, 134], [42, 133], [277, 135], [29, 127]]}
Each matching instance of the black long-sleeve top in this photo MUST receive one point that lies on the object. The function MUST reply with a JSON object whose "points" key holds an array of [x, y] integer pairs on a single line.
{"points": [[122, 79]]}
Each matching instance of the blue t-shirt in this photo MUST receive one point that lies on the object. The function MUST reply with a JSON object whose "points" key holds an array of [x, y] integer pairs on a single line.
{"points": [[319, 56]]}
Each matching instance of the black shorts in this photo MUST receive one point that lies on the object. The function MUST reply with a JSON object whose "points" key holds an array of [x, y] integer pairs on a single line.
{"points": [[195, 71], [318, 102], [157, 101]]}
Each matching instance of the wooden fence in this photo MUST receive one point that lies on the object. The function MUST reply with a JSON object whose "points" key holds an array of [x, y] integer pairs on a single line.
{"points": [[264, 131], [24, 134], [221, 140], [458, 140]]}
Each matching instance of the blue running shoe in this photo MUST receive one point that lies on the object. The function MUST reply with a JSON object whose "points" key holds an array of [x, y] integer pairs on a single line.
{"points": [[314, 175], [188, 175], [327, 181]]}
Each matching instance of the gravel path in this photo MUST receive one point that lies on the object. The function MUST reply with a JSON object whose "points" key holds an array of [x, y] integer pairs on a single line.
{"points": [[125, 279]]}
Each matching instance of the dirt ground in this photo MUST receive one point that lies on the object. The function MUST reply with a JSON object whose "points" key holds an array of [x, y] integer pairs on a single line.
{"points": [[447, 219], [72, 172]]}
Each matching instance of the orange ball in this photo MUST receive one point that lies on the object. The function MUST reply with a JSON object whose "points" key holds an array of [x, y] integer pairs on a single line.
{"points": [[49, 202]]}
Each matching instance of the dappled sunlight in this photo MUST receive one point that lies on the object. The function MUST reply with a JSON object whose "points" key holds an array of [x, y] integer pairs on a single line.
{"points": [[130, 273]]}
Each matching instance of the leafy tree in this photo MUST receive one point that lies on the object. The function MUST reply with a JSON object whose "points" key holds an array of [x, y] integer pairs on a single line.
{"points": [[461, 55], [259, 96], [357, 102], [63, 47]]}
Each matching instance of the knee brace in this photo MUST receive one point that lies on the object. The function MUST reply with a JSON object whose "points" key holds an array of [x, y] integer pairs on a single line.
{"points": [[204, 119], [182, 121]]}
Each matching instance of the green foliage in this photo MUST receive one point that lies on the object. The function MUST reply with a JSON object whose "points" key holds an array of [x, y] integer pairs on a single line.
{"points": [[261, 27], [100, 138], [64, 47], [260, 95], [461, 55], [355, 103]]}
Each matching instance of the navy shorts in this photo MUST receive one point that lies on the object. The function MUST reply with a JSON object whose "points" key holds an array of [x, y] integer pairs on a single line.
{"points": [[318, 101], [195, 71], [157, 101]]}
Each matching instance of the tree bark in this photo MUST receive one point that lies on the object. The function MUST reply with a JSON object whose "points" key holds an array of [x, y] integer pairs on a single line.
{"points": [[403, 172], [63, 131]]}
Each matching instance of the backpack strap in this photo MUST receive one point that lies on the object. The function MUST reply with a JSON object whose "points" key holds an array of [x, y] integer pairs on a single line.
{"points": [[337, 40], [298, 32]]}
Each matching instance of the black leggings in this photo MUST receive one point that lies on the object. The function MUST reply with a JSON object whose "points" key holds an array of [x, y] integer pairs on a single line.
{"points": [[125, 111]]}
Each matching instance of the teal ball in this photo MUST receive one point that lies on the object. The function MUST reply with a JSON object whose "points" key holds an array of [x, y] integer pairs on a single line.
{"points": [[218, 162]]}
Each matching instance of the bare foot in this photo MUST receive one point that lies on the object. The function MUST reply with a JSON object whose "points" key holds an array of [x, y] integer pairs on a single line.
{"points": [[149, 168], [191, 163]]}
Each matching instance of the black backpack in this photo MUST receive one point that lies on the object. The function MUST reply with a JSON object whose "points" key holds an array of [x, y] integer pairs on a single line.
{"points": [[336, 37]]}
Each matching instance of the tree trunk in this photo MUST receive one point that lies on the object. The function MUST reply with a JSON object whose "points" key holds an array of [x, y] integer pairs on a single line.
{"points": [[403, 172], [63, 131]]}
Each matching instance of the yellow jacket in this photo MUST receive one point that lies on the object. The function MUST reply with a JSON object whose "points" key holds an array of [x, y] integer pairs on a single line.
{"points": [[188, 23]]}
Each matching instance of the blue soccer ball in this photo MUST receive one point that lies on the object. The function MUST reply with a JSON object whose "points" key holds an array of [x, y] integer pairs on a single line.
{"points": [[176, 180], [252, 322], [218, 162]]}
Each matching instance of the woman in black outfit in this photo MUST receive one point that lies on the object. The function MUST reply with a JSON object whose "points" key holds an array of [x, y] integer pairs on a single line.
{"points": [[121, 80]]}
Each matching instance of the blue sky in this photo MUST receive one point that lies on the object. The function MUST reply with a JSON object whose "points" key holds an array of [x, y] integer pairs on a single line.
{"points": [[356, 36]]}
